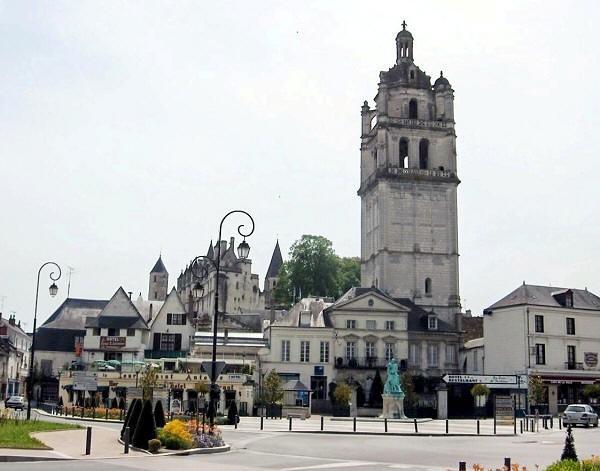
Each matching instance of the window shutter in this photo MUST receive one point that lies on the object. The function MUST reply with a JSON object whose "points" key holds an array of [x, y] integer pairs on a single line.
{"points": [[169, 319], [156, 344], [177, 342], [183, 319]]}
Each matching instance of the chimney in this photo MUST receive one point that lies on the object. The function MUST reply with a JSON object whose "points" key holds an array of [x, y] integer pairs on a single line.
{"points": [[232, 243], [130, 293], [11, 320], [150, 313], [468, 313]]}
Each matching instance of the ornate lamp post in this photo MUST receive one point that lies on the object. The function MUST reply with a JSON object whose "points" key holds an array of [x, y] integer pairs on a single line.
{"points": [[200, 272], [53, 290]]}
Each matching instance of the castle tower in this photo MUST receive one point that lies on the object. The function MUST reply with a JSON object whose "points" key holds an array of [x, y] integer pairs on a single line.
{"points": [[408, 186], [272, 276], [159, 282]]}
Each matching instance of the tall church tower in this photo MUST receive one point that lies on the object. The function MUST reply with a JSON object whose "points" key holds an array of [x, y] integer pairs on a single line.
{"points": [[159, 282], [408, 183]]}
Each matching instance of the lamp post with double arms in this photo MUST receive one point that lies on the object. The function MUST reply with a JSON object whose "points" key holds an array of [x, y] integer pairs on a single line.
{"points": [[200, 271], [53, 290]]}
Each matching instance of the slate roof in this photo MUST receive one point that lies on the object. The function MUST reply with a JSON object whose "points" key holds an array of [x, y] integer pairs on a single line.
{"points": [[57, 340], [543, 296], [71, 314], [159, 266], [119, 312], [276, 262], [418, 317]]}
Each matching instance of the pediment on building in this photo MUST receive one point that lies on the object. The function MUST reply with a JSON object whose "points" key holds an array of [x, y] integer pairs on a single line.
{"points": [[370, 338], [370, 301]]}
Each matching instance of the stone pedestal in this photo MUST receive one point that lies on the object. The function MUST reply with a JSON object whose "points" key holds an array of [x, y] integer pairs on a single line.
{"points": [[442, 402], [393, 406]]}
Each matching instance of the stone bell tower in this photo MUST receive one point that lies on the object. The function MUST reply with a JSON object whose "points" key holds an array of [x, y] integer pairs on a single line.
{"points": [[408, 183]]}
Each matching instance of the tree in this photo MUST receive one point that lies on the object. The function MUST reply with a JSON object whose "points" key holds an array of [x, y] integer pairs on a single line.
{"points": [[232, 413], [348, 274], [342, 394], [272, 392], [145, 430], [569, 452], [410, 396], [159, 414], [376, 390], [537, 392], [480, 390], [132, 416], [149, 380]]}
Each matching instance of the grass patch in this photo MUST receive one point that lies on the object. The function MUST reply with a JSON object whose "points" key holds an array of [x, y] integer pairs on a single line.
{"points": [[15, 434]]}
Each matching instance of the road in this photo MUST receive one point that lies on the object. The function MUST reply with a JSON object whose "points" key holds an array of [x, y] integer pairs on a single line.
{"points": [[282, 450]]}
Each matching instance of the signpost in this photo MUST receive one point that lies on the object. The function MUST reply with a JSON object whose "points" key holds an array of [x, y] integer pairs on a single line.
{"points": [[84, 381], [504, 410], [484, 379]]}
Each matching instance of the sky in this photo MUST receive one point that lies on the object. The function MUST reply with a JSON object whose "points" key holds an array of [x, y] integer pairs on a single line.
{"points": [[129, 128]]}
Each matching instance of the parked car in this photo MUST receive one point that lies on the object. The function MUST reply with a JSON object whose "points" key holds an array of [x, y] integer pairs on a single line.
{"points": [[580, 414], [16, 402]]}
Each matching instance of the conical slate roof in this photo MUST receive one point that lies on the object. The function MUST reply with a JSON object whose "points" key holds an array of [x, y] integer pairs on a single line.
{"points": [[159, 266], [276, 262]]}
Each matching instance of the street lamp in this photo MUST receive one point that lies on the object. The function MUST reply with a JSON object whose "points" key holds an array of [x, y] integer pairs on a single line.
{"points": [[53, 290], [243, 250]]}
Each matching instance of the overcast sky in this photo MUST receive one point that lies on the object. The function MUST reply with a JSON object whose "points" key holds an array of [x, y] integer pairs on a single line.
{"points": [[130, 128]]}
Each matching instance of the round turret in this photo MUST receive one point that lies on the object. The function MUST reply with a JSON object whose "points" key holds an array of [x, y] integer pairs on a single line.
{"points": [[441, 82], [404, 45]]}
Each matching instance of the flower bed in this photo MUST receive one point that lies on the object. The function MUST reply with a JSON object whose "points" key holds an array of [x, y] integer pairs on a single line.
{"points": [[92, 412], [179, 435]]}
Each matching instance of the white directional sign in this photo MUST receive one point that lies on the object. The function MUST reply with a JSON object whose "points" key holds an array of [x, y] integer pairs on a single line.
{"points": [[485, 379]]}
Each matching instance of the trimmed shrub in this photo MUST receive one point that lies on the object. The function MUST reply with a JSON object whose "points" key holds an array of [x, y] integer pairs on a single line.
{"points": [[376, 390], [127, 417], [173, 442], [232, 413], [159, 415], [569, 452], [565, 465], [145, 430], [134, 417], [154, 446]]}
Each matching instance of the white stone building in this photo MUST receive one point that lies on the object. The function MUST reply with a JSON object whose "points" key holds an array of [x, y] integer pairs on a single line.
{"points": [[15, 345], [408, 186], [553, 332]]}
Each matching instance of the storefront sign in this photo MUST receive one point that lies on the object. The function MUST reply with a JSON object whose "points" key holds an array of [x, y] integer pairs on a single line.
{"points": [[504, 410], [112, 343], [590, 358]]}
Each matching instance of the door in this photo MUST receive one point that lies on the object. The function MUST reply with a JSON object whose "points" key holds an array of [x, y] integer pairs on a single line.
{"points": [[318, 384]]}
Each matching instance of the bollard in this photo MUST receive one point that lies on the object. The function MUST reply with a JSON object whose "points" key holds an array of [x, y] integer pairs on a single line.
{"points": [[507, 463], [446, 426], [88, 441], [385, 424], [494, 424], [261, 422], [354, 424], [416, 427], [106, 418], [126, 439], [559, 423], [236, 419], [551, 422], [322, 421], [477, 426], [462, 466], [532, 425], [290, 425], [521, 427]]}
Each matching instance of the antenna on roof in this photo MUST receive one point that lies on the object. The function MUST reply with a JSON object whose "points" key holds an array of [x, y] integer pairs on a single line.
{"points": [[71, 270]]}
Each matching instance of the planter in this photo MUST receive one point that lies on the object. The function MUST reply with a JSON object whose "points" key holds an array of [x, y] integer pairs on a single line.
{"points": [[341, 411]]}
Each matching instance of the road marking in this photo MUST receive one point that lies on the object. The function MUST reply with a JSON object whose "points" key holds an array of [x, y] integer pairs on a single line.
{"points": [[344, 464]]}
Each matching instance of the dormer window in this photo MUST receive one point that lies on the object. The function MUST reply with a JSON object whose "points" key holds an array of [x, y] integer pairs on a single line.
{"points": [[564, 297], [305, 319], [432, 323], [569, 299]]}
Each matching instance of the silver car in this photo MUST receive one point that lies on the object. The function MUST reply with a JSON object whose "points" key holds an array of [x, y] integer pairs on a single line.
{"points": [[16, 402], [580, 414]]}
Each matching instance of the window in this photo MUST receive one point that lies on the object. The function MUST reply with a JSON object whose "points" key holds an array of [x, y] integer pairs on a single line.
{"points": [[370, 350], [113, 332], [450, 354], [305, 351], [155, 295], [176, 319], [427, 286], [433, 354], [403, 152], [539, 323], [371, 325], [432, 323], [130, 332], [414, 354], [324, 356], [350, 350], [96, 332], [412, 74], [389, 325], [350, 324], [412, 109], [540, 354], [570, 326], [389, 352], [285, 350], [167, 342], [571, 357], [424, 154], [568, 299]]}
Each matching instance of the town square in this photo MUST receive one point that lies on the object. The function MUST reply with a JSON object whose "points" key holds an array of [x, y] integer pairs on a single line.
{"points": [[299, 236]]}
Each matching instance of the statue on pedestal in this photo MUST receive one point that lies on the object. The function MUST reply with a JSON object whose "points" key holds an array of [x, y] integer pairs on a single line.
{"points": [[393, 396]]}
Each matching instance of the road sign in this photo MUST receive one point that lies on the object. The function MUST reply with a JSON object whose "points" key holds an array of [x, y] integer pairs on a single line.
{"points": [[84, 381], [504, 410], [207, 366], [484, 379]]}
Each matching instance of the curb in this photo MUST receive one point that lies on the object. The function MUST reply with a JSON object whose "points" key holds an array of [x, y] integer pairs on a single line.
{"points": [[394, 434], [20, 459], [378, 420], [85, 419]]}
